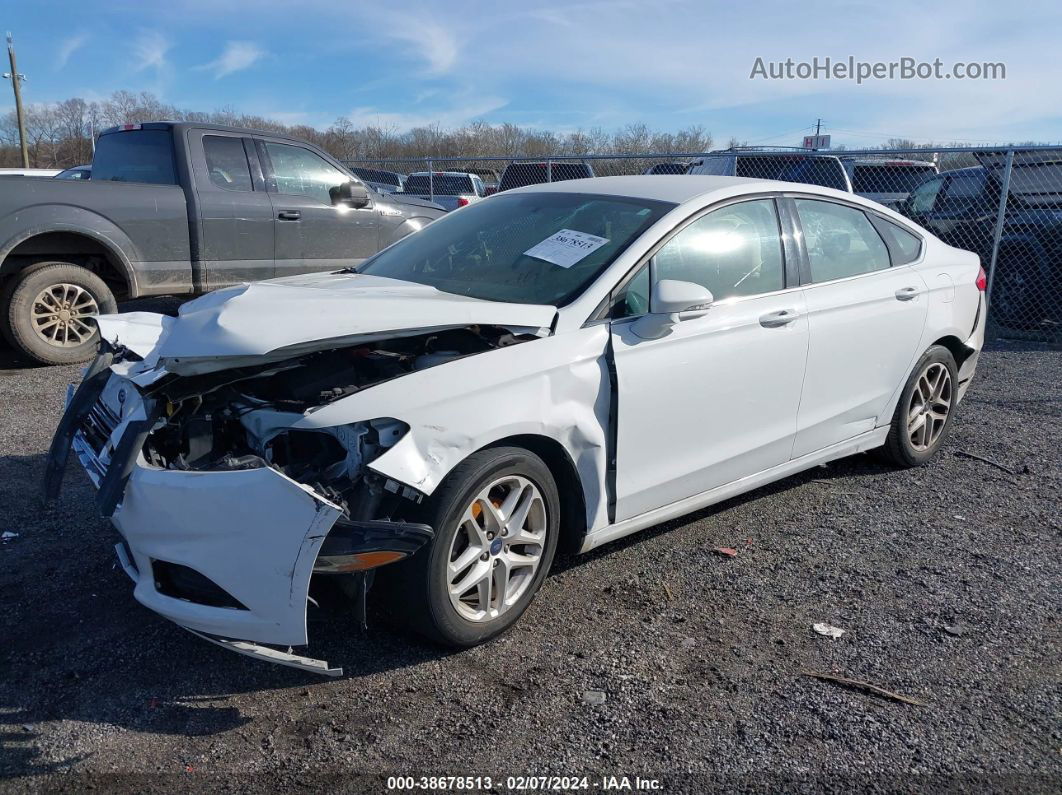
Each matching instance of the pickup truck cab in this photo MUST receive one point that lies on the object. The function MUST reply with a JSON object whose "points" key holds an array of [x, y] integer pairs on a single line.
{"points": [[178, 208], [806, 167], [449, 189]]}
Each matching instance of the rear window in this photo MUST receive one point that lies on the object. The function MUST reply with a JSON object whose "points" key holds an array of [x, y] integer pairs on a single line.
{"points": [[441, 184], [824, 171], [376, 175], [520, 174], [144, 156], [888, 178]]}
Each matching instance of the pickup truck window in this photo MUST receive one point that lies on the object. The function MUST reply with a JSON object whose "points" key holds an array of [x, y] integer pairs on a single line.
{"points": [[299, 171], [135, 156], [227, 162]]}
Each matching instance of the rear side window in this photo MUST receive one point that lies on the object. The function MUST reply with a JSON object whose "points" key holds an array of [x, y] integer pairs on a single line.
{"points": [[227, 162], [905, 246], [841, 241], [144, 156]]}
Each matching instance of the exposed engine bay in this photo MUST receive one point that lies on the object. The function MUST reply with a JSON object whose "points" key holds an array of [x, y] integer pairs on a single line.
{"points": [[241, 418]]}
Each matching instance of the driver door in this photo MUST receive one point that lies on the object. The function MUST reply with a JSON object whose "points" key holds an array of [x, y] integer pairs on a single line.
{"points": [[715, 399], [313, 231]]}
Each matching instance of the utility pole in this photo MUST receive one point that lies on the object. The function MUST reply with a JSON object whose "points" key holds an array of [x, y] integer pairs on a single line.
{"points": [[818, 124], [16, 84]]}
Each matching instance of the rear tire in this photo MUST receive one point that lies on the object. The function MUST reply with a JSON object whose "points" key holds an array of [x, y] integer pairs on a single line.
{"points": [[923, 413], [45, 311], [508, 556]]}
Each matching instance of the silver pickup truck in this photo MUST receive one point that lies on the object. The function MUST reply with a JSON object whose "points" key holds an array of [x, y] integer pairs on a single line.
{"points": [[178, 208]]}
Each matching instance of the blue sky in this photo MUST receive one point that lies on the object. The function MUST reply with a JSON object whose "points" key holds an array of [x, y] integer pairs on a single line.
{"points": [[556, 65]]}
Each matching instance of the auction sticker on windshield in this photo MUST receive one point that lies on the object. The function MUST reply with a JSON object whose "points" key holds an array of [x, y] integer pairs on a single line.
{"points": [[566, 247]]}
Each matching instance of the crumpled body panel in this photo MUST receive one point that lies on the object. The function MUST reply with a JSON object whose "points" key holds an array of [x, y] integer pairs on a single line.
{"points": [[555, 387], [255, 533]]}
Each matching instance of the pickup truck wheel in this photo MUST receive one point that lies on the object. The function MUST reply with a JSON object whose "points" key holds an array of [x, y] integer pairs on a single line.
{"points": [[47, 310], [496, 519]]}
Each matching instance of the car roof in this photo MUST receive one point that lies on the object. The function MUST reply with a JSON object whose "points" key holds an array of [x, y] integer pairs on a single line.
{"points": [[886, 161], [677, 188], [180, 126]]}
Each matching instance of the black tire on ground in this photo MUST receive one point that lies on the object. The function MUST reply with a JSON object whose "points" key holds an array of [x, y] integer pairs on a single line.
{"points": [[17, 302], [422, 580], [899, 448]]}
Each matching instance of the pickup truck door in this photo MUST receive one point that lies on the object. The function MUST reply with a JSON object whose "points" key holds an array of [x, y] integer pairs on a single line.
{"points": [[312, 233], [234, 213]]}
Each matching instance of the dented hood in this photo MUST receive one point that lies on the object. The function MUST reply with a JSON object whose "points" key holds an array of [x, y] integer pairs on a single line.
{"points": [[288, 317]]}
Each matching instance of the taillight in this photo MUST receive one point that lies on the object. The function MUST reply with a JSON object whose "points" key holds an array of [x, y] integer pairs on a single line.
{"points": [[462, 201], [982, 279]]}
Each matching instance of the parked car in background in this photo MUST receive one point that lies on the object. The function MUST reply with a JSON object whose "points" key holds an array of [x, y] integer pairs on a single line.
{"points": [[809, 168], [490, 179], [565, 364], [378, 179], [448, 189], [519, 175], [960, 207], [77, 172], [178, 208], [884, 180], [29, 172], [668, 168]]}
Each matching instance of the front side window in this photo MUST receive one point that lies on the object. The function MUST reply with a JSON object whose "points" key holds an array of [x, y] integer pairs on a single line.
{"points": [[227, 162], [925, 196], [841, 241], [733, 251], [529, 248], [299, 171]]}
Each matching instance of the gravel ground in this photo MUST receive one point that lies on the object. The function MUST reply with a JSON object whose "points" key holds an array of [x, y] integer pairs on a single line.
{"points": [[946, 580]]}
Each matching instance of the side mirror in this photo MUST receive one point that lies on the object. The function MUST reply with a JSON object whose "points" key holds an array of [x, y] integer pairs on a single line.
{"points": [[351, 194], [672, 302]]}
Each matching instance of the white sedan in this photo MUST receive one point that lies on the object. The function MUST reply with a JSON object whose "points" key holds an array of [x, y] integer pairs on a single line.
{"points": [[563, 364]]}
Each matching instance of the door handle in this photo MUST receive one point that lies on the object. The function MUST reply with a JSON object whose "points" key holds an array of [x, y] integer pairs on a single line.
{"points": [[783, 317], [289, 215], [907, 293]]}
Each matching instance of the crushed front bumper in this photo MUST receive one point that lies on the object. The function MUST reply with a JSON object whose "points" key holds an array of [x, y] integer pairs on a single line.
{"points": [[252, 535]]}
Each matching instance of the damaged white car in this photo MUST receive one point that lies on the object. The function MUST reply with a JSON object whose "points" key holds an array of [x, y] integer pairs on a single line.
{"points": [[561, 364]]}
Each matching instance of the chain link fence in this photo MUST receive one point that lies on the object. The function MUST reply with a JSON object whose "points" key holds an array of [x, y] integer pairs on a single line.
{"points": [[1004, 204]]}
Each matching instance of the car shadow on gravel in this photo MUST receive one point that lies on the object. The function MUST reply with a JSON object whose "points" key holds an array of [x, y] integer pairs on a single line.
{"points": [[856, 466], [78, 647]]}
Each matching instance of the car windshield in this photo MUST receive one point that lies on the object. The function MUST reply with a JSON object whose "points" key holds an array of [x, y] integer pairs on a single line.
{"points": [[528, 248]]}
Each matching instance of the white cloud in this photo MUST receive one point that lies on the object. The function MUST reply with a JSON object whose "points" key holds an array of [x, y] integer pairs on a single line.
{"points": [[236, 56], [149, 51], [456, 115], [68, 47]]}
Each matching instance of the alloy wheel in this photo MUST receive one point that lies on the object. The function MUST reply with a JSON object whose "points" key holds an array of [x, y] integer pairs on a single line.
{"points": [[497, 548], [931, 400], [59, 315]]}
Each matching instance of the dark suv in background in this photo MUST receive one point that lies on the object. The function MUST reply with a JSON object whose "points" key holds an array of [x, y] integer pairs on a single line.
{"points": [[518, 175], [960, 207]]}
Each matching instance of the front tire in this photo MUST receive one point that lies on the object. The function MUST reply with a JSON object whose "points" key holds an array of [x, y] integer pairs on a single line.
{"points": [[923, 414], [496, 519], [48, 310]]}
